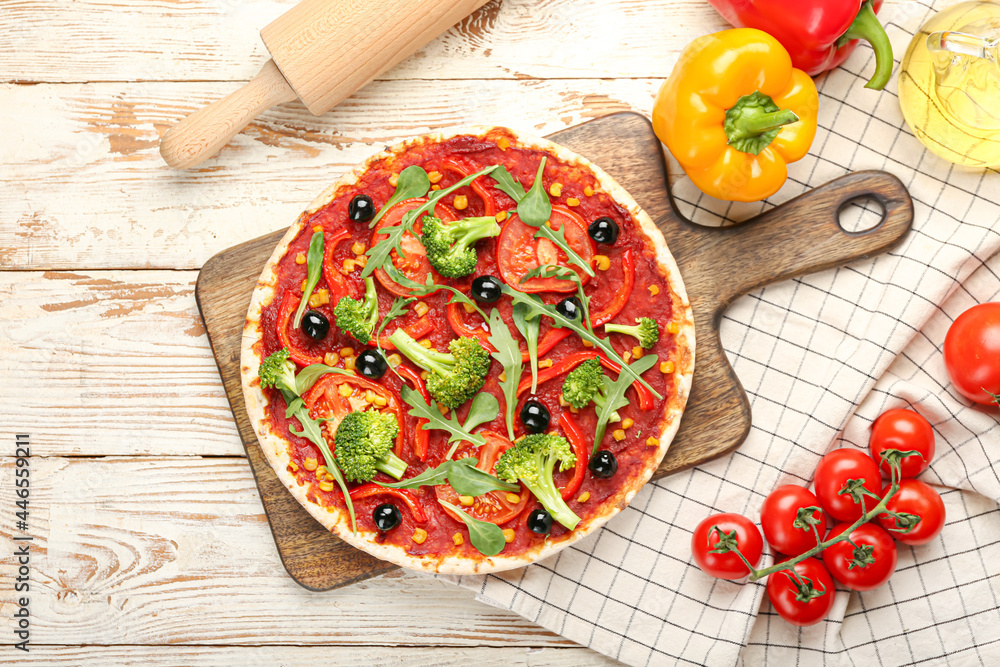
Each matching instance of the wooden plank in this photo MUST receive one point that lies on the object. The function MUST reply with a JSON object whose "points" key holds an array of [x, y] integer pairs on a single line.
{"points": [[84, 184], [100, 363], [199, 40], [176, 550], [307, 656]]}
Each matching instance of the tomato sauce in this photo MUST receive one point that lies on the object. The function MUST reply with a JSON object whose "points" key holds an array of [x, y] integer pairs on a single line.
{"points": [[630, 257]]}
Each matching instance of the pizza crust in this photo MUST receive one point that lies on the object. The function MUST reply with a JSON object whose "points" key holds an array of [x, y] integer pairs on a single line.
{"points": [[275, 447]]}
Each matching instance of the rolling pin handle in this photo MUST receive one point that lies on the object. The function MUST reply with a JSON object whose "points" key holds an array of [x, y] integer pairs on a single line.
{"points": [[203, 134]]}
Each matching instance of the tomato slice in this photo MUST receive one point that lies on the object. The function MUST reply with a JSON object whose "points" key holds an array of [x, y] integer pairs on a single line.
{"points": [[518, 252], [302, 349], [408, 498], [326, 400], [463, 328], [421, 437], [489, 206], [334, 278], [581, 448], [571, 361], [493, 506], [414, 265]]}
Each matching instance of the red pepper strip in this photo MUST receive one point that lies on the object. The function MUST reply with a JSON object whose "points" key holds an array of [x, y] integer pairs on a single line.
{"points": [[580, 447], [819, 34], [421, 437], [571, 361], [458, 325], [289, 304], [334, 279], [373, 489], [489, 207], [417, 330], [622, 295]]}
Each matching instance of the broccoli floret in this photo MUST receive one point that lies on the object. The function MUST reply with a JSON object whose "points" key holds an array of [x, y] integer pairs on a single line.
{"points": [[584, 384], [365, 443], [533, 461], [450, 247], [455, 376], [646, 330], [278, 371], [358, 318]]}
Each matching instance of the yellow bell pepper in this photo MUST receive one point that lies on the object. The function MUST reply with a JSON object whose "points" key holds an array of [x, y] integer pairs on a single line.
{"points": [[735, 113]]}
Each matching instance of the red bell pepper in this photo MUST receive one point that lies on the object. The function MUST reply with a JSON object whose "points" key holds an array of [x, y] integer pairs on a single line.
{"points": [[819, 34], [408, 498], [581, 448], [421, 438]]}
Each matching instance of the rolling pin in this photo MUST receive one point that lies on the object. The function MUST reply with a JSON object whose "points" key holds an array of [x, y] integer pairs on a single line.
{"points": [[322, 51]]}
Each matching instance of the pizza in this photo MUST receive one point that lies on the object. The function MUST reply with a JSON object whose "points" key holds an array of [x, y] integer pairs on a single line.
{"points": [[469, 352]]}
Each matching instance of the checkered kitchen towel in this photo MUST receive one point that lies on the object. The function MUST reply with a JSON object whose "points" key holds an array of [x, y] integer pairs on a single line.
{"points": [[820, 358]]}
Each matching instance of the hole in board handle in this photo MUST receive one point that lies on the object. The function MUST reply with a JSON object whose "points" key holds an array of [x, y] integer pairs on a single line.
{"points": [[861, 214]]}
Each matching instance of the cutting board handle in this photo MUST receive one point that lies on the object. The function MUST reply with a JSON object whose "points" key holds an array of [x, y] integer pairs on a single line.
{"points": [[202, 134], [804, 235]]}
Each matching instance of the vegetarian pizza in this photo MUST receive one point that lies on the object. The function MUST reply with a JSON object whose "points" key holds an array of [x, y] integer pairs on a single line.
{"points": [[471, 351]]}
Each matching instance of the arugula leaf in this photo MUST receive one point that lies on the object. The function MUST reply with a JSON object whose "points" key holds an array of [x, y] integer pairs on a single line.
{"points": [[314, 267], [615, 394], [509, 355], [461, 474], [307, 377], [528, 325], [411, 182], [484, 408], [558, 237], [508, 184], [534, 208], [435, 420], [486, 537], [429, 477], [563, 273], [573, 325], [294, 405], [378, 254], [436, 195]]}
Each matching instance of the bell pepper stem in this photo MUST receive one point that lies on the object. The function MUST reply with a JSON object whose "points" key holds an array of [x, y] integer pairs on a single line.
{"points": [[754, 121], [866, 26], [763, 121]]}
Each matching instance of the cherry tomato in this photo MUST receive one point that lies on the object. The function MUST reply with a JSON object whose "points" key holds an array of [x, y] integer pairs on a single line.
{"points": [[904, 430], [972, 353], [779, 513], [726, 565], [495, 506], [414, 265], [914, 497], [838, 557], [326, 400], [786, 595], [834, 470], [518, 252]]}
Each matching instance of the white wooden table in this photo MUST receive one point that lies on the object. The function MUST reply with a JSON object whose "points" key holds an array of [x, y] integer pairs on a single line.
{"points": [[150, 543]]}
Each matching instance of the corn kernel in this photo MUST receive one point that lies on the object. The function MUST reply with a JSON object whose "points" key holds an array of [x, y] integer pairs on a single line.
{"points": [[326, 486], [503, 144], [458, 539], [358, 248], [435, 176], [513, 498], [508, 535], [380, 401], [562, 401], [393, 180], [572, 201], [421, 308], [331, 358], [652, 442], [584, 497], [519, 439], [419, 535], [461, 203], [672, 328], [347, 352], [466, 501], [345, 390], [426, 343], [435, 187], [555, 189], [588, 191], [654, 290], [317, 228], [361, 260], [303, 286], [350, 363], [424, 375], [443, 409], [627, 423], [602, 262], [300, 258], [369, 396], [319, 298], [666, 367], [627, 356], [574, 410], [503, 376], [501, 216], [619, 434], [310, 464], [587, 343], [637, 352], [349, 265], [394, 360], [469, 308], [293, 467], [545, 363]]}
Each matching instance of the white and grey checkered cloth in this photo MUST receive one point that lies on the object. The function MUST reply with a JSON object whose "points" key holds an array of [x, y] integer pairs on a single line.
{"points": [[820, 357]]}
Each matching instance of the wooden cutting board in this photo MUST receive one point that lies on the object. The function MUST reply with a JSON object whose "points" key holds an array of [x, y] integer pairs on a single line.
{"points": [[717, 265]]}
